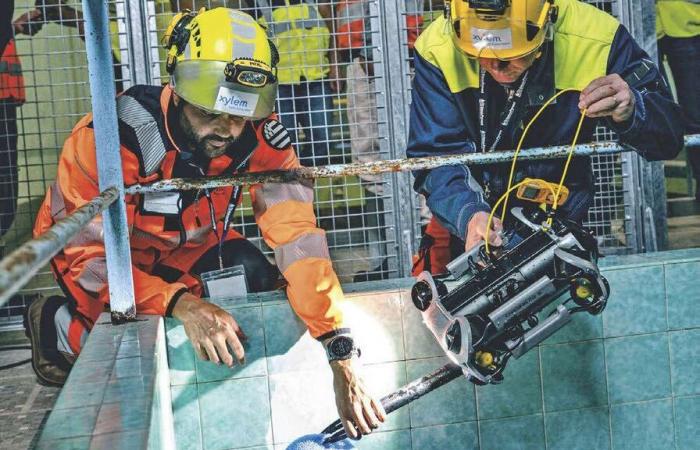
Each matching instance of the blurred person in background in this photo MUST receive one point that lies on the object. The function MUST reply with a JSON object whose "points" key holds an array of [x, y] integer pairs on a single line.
{"points": [[12, 96], [308, 70], [678, 33], [355, 48], [60, 12]]}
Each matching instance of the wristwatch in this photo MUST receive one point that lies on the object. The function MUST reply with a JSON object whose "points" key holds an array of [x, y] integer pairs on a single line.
{"points": [[340, 348]]}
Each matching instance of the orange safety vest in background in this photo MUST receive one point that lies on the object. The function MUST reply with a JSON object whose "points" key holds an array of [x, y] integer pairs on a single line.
{"points": [[351, 16], [11, 79]]}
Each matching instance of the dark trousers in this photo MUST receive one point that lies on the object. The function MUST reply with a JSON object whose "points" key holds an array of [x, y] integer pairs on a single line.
{"points": [[310, 105], [8, 164], [683, 55]]}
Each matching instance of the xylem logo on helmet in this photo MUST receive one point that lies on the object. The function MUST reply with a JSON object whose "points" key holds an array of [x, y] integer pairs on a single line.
{"points": [[235, 102], [499, 38]]}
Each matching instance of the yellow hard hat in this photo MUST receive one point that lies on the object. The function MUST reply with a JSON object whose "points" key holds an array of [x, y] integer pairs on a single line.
{"points": [[502, 29], [221, 60]]}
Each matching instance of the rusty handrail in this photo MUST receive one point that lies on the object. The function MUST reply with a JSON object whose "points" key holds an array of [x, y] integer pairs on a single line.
{"points": [[384, 166], [21, 265]]}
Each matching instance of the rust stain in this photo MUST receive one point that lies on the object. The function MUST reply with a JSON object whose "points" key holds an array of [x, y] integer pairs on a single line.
{"points": [[371, 168], [22, 257], [119, 318]]}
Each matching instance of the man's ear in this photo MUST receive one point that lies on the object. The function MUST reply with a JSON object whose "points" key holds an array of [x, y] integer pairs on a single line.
{"points": [[176, 99]]}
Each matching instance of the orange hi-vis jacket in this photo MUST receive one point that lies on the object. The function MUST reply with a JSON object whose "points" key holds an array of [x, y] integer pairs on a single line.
{"points": [[11, 79], [284, 213], [352, 33]]}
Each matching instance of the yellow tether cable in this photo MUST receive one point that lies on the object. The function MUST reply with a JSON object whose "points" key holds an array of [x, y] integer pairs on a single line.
{"points": [[522, 139], [504, 197], [568, 161]]}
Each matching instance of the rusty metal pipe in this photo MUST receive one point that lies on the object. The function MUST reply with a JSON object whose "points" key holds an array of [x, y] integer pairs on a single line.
{"points": [[374, 167], [385, 166], [20, 265]]}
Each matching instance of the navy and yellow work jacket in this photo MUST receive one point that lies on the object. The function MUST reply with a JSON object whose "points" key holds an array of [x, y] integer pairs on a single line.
{"points": [[587, 44]]}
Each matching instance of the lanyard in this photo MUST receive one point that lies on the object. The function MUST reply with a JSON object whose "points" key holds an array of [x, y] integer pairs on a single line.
{"points": [[230, 208], [511, 106]]}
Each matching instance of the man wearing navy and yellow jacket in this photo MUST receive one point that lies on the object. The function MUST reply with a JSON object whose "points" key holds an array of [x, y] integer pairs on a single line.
{"points": [[484, 69]]}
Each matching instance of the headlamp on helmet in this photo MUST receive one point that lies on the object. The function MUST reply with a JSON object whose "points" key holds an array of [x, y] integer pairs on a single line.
{"points": [[492, 6], [251, 73]]}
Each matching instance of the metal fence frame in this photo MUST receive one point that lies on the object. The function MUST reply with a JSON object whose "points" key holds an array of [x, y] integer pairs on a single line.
{"points": [[18, 268], [643, 205], [391, 64]]}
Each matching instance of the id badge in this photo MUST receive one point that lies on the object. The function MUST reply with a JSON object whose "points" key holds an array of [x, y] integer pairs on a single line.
{"points": [[225, 283], [161, 202]]}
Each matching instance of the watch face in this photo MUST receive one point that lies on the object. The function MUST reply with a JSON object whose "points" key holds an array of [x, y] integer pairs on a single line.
{"points": [[341, 346]]}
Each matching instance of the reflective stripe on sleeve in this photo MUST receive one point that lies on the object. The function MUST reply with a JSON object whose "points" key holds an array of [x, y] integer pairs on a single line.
{"points": [[308, 245], [93, 277]]}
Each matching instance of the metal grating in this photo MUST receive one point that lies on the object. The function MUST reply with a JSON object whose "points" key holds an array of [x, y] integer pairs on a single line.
{"points": [[372, 225], [54, 66]]}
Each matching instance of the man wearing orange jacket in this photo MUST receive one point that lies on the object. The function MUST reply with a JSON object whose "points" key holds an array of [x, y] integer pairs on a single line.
{"points": [[215, 117], [12, 96]]}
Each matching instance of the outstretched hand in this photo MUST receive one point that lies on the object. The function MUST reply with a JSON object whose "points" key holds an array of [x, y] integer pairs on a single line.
{"points": [[359, 412], [213, 332], [28, 23]]}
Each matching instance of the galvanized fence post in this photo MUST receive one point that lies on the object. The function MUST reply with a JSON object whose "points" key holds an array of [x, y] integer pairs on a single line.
{"points": [[139, 55], [109, 165], [639, 16], [398, 81]]}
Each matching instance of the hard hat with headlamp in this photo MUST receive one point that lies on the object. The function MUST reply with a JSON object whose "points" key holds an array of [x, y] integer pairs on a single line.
{"points": [[501, 29], [221, 60]]}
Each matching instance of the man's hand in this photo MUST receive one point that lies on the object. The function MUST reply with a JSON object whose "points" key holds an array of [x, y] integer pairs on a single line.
{"points": [[608, 96], [476, 231], [28, 23], [210, 329], [358, 411]]}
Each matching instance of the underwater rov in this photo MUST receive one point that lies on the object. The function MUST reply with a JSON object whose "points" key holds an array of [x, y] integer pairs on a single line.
{"points": [[485, 311], [488, 308]]}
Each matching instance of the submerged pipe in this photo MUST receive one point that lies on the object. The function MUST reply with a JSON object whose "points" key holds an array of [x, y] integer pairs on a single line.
{"points": [[20, 265], [402, 397]]}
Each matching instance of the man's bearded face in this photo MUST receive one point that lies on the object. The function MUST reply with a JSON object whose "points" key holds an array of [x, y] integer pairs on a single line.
{"points": [[208, 133]]}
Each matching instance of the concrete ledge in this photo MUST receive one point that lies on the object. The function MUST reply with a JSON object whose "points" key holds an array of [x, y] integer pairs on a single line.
{"points": [[115, 394]]}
